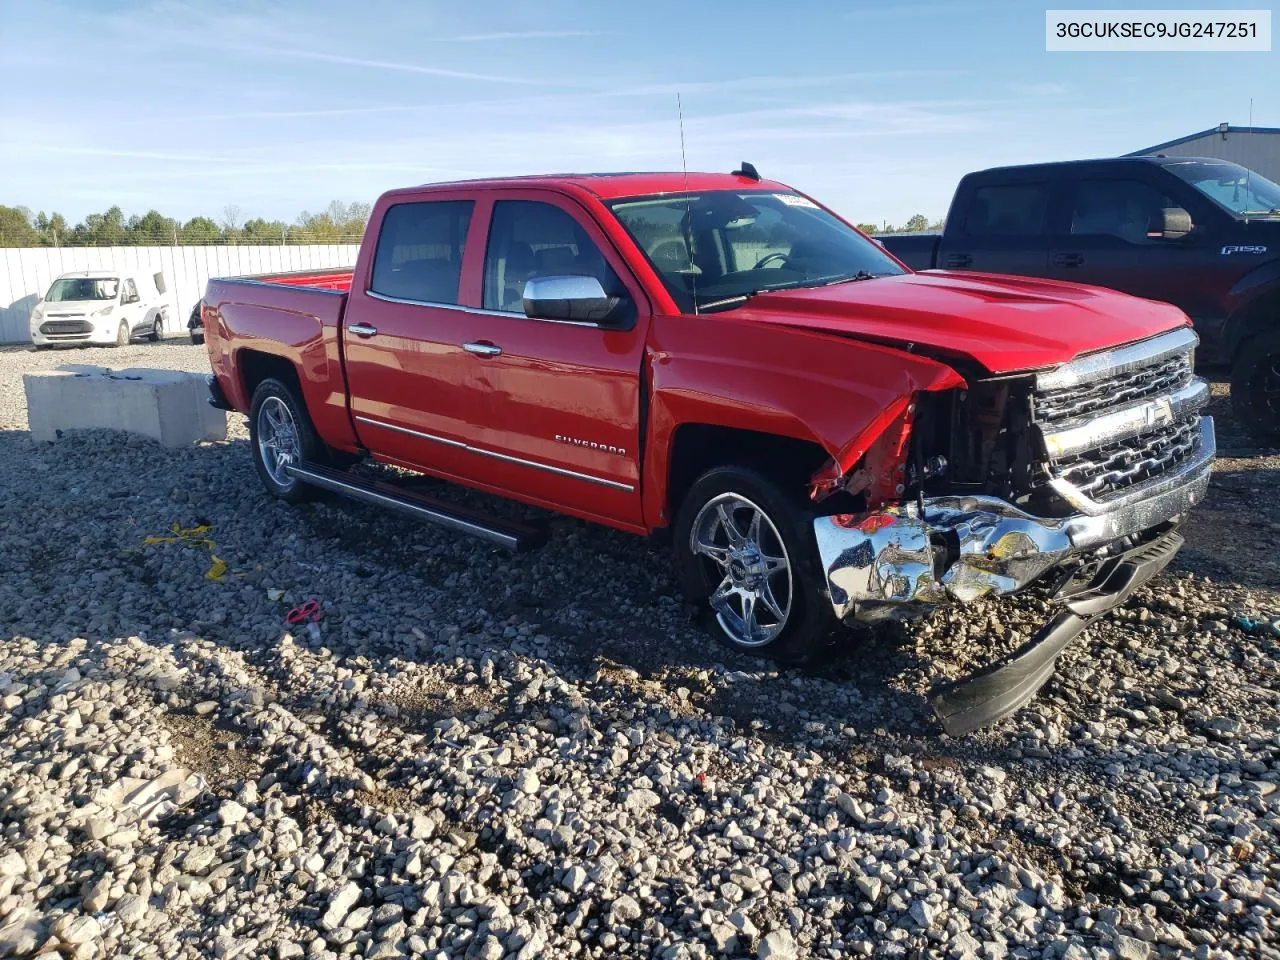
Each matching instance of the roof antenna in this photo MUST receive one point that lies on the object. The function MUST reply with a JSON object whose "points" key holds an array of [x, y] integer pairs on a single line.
{"points": [[688, 207], [747, 170], [1248, 176]]}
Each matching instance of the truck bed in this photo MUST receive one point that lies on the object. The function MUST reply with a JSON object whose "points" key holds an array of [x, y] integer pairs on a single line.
{"points": [[334, 279]]}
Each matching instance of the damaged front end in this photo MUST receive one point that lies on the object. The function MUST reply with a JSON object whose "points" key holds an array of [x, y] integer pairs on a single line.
{"points": [[1071, 481]]}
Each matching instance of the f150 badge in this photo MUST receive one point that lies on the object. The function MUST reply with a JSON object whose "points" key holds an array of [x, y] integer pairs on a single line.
{"points": [[591, 445], [1242, 248]]}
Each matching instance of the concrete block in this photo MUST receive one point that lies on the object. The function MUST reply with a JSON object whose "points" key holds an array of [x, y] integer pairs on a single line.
{"points": [[166, 405]]}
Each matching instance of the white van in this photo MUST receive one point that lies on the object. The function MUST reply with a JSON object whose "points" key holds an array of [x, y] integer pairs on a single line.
{"points": [[100, 306]]}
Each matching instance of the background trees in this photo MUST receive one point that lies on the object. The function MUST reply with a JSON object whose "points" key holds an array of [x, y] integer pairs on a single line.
{"points": [[339, 223]]}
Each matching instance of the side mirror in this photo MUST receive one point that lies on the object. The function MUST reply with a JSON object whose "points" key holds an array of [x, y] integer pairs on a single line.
{"points": [[1172, 223], [576, 299]]}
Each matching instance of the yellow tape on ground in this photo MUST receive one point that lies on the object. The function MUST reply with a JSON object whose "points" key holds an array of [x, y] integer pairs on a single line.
{"points": [[195, 537]]}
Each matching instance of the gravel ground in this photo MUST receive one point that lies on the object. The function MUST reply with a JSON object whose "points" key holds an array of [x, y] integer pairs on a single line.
{"points": [[477, 755]]}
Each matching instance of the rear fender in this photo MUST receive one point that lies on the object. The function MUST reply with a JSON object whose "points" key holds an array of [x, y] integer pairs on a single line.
{"points": [[840, 393]]}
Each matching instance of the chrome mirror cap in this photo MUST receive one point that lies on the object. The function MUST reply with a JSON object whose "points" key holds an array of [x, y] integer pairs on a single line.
{"points": [[573, 299]]}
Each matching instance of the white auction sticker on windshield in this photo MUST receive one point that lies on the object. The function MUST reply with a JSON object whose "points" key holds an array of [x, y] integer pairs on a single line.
{"points": [[795, 200]]}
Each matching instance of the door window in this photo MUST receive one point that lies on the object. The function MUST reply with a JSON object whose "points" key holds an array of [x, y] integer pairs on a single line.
{"points": [[530, 239], [1008, 210], [1116, 208], [419, 255], [130, 292]]}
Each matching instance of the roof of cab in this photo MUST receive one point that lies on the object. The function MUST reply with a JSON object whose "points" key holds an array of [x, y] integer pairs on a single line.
{"points": [[612, 186], [91, 274]]}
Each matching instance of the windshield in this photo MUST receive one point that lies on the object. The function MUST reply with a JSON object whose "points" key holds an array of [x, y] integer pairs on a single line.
{"points": [[1230, 185], [83, 288], [721, 247]]}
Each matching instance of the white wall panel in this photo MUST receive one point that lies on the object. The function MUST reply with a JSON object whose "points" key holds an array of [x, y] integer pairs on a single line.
{"points": [[26, 273]]}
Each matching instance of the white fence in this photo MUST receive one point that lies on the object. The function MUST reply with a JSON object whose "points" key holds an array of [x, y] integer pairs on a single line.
{"points": [[26, 273]]}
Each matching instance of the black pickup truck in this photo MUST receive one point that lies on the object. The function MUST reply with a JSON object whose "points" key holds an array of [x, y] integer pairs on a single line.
{"points": [[1202, 234]]}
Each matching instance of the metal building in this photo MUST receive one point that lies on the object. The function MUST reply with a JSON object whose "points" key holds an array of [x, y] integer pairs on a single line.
{"points": [[1257, 148]]}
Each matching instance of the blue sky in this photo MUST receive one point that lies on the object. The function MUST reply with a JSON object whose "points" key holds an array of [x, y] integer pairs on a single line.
{"points": [[283, 105]]}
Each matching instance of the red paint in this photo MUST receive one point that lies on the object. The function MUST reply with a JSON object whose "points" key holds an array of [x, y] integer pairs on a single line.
{"points": [[837, 366]]}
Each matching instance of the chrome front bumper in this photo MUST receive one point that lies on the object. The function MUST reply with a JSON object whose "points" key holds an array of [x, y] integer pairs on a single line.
{"points": [[904, 559]]}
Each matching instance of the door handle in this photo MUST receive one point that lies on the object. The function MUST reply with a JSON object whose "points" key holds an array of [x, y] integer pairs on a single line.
{"points": [[363, 330], [959, 260], [1068, 259], [483, 349]]}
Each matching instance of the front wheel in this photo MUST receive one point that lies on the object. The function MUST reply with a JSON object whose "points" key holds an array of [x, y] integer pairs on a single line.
{"points": [[744, 549], [122, 334], [1255, 387]]}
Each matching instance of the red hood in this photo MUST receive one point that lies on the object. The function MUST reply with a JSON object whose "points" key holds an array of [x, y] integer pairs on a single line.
{"points": [[1003, 323]]}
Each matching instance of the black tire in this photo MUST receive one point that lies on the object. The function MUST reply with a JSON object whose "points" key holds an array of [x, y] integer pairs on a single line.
{"points": [[809, 625], [122, 335], [197, 338], [269, 393], [157, 330], [1255, 387]]}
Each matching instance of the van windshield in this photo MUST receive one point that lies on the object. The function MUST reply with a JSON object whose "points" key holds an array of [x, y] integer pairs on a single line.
{"points": [[83, 288], [715, 250], [1240, 190]]}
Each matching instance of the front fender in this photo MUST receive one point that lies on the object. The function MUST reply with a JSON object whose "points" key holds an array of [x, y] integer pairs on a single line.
{"points": [[1251, 290], [834, 391]]}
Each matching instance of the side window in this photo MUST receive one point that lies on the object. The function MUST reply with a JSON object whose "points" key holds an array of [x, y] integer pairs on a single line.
{"points": [[1012, 210], [529, 239], [419, 254], [130, 292], [1116, 208]]}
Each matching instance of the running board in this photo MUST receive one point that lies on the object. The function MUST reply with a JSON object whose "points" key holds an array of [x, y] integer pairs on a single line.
{"points": [[513, 536]]}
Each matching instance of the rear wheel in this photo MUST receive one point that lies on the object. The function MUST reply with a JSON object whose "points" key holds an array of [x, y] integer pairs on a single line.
{"points": [[281, 435], [745, 551], [157, 331], [197, 338], [1255, 387]]}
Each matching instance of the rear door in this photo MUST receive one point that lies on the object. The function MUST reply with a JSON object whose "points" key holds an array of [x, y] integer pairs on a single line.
{"points": [[1005, 228], [403, 335]]}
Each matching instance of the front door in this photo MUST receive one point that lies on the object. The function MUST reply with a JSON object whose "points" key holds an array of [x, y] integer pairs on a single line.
{"points": [[558, 402], [1106, 244]]}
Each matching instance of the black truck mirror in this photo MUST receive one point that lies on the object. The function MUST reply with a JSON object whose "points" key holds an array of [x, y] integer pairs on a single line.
{"points": [[1172, 223]]}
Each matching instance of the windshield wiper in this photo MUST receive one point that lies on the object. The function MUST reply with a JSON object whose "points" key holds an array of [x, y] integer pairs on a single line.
{"points": [[793, 285]]}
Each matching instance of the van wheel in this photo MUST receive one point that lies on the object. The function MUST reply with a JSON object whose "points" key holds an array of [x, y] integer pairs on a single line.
{"points": [[157, 331], [281, 434], [197, 338], [122, 335], [745, 551], [1255, 387]]}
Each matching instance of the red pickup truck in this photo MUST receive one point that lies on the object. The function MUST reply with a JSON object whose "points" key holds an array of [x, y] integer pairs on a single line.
{"points": [[827, 436]]}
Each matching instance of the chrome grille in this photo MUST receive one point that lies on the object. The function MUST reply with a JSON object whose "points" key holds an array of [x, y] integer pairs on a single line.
{"points": [[1070, 402], [1115, 421], [1115, 466]]}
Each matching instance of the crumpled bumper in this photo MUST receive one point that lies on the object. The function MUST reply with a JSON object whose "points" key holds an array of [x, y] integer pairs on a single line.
{"points": [[904, 559]]}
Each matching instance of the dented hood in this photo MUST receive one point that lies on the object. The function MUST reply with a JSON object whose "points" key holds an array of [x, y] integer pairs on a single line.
{"points": [[1003, 323]]}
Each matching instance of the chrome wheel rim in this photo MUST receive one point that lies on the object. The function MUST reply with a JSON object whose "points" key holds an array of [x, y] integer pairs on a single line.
{"points": [[278, 443], [743, 550]]}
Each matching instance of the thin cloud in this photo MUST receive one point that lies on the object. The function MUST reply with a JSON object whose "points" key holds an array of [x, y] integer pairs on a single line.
{"points": [[394, 65], [517, 35]]}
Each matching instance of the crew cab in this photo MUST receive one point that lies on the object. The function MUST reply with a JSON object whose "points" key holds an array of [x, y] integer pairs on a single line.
{"points": [[1200, 233], [100, 306], [826, 436]]}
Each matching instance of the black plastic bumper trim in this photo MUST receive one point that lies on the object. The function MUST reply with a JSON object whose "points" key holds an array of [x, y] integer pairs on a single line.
{"points": [[996, 691]]}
